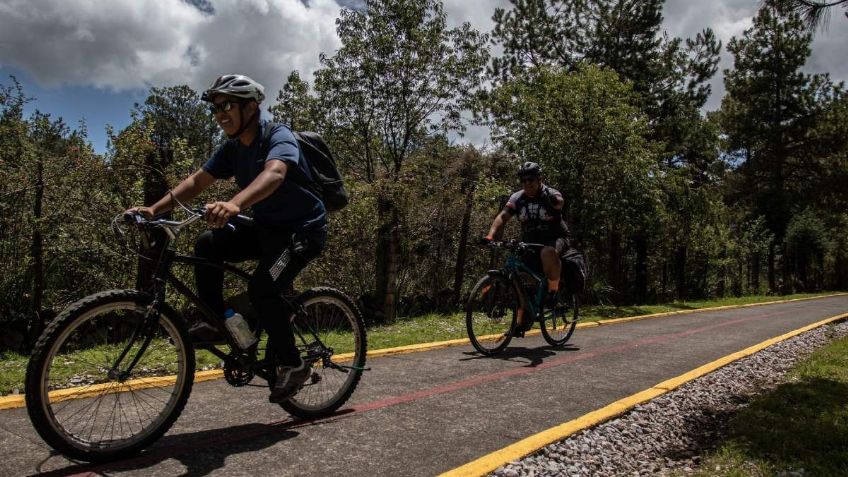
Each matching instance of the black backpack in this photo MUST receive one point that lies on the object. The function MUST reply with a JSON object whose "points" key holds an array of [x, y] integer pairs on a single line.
{"points": [[327, 183], [575, 270]]}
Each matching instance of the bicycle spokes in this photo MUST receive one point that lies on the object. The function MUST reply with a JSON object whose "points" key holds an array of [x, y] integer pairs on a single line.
{"points": [[332, 339]]}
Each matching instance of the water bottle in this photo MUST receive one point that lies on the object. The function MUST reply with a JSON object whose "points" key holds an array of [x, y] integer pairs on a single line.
{"points": [[239, 329]]}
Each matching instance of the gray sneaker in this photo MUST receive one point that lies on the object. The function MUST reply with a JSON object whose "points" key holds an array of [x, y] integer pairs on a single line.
{"points": [[202, 333], [289, 381]]}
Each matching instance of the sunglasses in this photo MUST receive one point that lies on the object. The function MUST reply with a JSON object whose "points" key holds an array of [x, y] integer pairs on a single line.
{"points": [[221, 107], [528, 180]]}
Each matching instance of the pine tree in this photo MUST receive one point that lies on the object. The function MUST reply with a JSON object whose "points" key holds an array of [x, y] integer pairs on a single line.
{"points": [[769, 114]]}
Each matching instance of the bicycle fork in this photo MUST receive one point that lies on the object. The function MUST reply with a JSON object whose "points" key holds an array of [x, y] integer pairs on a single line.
{"points": [[151, 316]]}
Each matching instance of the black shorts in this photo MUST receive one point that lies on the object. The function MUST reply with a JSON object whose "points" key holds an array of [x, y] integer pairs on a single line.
{"points": [[533, 258]]}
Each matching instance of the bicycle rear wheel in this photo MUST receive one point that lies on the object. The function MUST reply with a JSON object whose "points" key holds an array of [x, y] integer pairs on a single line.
{"points": [[558, 324], [330, 333], [109, 376], [490, 314]]}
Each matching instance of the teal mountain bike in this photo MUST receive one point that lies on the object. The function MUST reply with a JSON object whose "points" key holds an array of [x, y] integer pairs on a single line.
{"points": [[494, 304]]}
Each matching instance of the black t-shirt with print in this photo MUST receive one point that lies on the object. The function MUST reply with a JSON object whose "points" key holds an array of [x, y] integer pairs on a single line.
{"points": [[540, 221]]}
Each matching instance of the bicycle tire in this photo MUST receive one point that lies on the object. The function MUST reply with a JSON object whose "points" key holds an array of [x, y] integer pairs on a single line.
{"points": [[81, 335], [557, 330], [489, 303], [329, 313]]}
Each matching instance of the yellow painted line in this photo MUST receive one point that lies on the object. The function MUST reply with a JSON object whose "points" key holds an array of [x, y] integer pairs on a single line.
{"points": [[17, 400], [529, 445], [583, 324]]}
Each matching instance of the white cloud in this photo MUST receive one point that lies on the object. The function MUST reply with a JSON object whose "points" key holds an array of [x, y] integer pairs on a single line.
{"points": [[127, 44], [729, 18], [130, 45], [478, 13]]}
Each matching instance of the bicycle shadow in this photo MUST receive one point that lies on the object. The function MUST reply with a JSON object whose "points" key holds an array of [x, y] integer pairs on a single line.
{"points": [[199, 452], [535, 356]]}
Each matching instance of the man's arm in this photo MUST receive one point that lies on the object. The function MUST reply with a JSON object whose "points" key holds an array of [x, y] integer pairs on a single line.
{"points": [[555, 199], [185, 191], [265, 184], [497, 225]]}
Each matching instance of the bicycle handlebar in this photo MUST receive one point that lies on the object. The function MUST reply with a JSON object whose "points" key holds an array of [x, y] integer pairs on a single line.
{"points": [[173, 225], [514, 245]]}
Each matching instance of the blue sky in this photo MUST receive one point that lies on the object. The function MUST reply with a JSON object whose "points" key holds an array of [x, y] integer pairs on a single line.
{"points": [[73, 103], [94, 60]]}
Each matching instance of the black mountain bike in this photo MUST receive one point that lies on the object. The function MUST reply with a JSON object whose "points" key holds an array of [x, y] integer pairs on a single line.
{"points": [[113, 371], [494, 303]]}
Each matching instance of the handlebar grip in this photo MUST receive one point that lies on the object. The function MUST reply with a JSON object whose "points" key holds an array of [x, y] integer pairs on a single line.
{"points": [[232, 222]]}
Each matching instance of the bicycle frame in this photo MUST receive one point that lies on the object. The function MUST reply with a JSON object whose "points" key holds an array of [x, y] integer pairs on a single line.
{"points": [[209, 316], [164, 276], [511, 269]]}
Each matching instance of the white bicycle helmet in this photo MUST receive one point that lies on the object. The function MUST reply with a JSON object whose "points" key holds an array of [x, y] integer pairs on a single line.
{"points": [[240, 86]]}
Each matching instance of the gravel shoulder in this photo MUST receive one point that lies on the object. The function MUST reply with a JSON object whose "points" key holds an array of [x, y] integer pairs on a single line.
{"points": [[672, 433]]}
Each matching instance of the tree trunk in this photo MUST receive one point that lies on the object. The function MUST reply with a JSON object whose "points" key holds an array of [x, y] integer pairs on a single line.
{"points": [[36, 324], [680, 272], [840, 271], [772, 279], [786, 268], [721, 286], [641, 279], [740, 276], [614, 269], [462, 253], [801, 269], [155, 187], [388, 258], [755, 272]]}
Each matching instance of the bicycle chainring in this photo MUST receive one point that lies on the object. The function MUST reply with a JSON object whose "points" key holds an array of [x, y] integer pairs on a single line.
{"points": [[237, 376]]}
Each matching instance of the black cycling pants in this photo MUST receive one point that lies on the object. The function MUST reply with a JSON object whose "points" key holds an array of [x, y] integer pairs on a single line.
{"points": [[282, 254]]}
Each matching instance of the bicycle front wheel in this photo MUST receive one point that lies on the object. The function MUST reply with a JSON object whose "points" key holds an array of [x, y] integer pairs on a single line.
{"points": [[558, 324], [490, 314], [330, 333], [109, 376]]}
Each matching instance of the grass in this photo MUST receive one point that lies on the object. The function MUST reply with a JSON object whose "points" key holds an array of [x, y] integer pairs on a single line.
{"points": [[800, 428], [437, 327], [12, 371], [609, 312], [13, 366], [415, 330]]}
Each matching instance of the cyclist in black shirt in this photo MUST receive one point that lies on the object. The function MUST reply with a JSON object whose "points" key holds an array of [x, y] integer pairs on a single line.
{"points": [[539, 209]]}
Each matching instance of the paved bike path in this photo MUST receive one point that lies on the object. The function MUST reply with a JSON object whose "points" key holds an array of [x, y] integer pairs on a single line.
{"points": [[425, 413]]}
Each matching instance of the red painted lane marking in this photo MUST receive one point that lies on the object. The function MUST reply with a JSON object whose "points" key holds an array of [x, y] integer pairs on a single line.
{"points": [[84, 470], [483, 379]]}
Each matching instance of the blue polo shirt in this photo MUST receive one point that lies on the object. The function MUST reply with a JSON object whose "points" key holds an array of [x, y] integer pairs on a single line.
{"points": [[290, 205]]}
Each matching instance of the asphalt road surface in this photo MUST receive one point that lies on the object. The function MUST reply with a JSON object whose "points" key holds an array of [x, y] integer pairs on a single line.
{"points": [[428, 412]]}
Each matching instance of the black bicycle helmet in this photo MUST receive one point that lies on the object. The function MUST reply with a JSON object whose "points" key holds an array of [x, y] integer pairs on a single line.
{"points": [[529, 169]]}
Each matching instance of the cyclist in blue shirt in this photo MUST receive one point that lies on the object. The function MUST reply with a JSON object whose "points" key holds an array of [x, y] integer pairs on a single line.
{"points": [[290, 223]]}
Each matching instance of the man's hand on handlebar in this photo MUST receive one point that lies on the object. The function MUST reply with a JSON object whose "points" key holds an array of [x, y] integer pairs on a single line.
{"points": [[217, 213], [145, 211]]}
